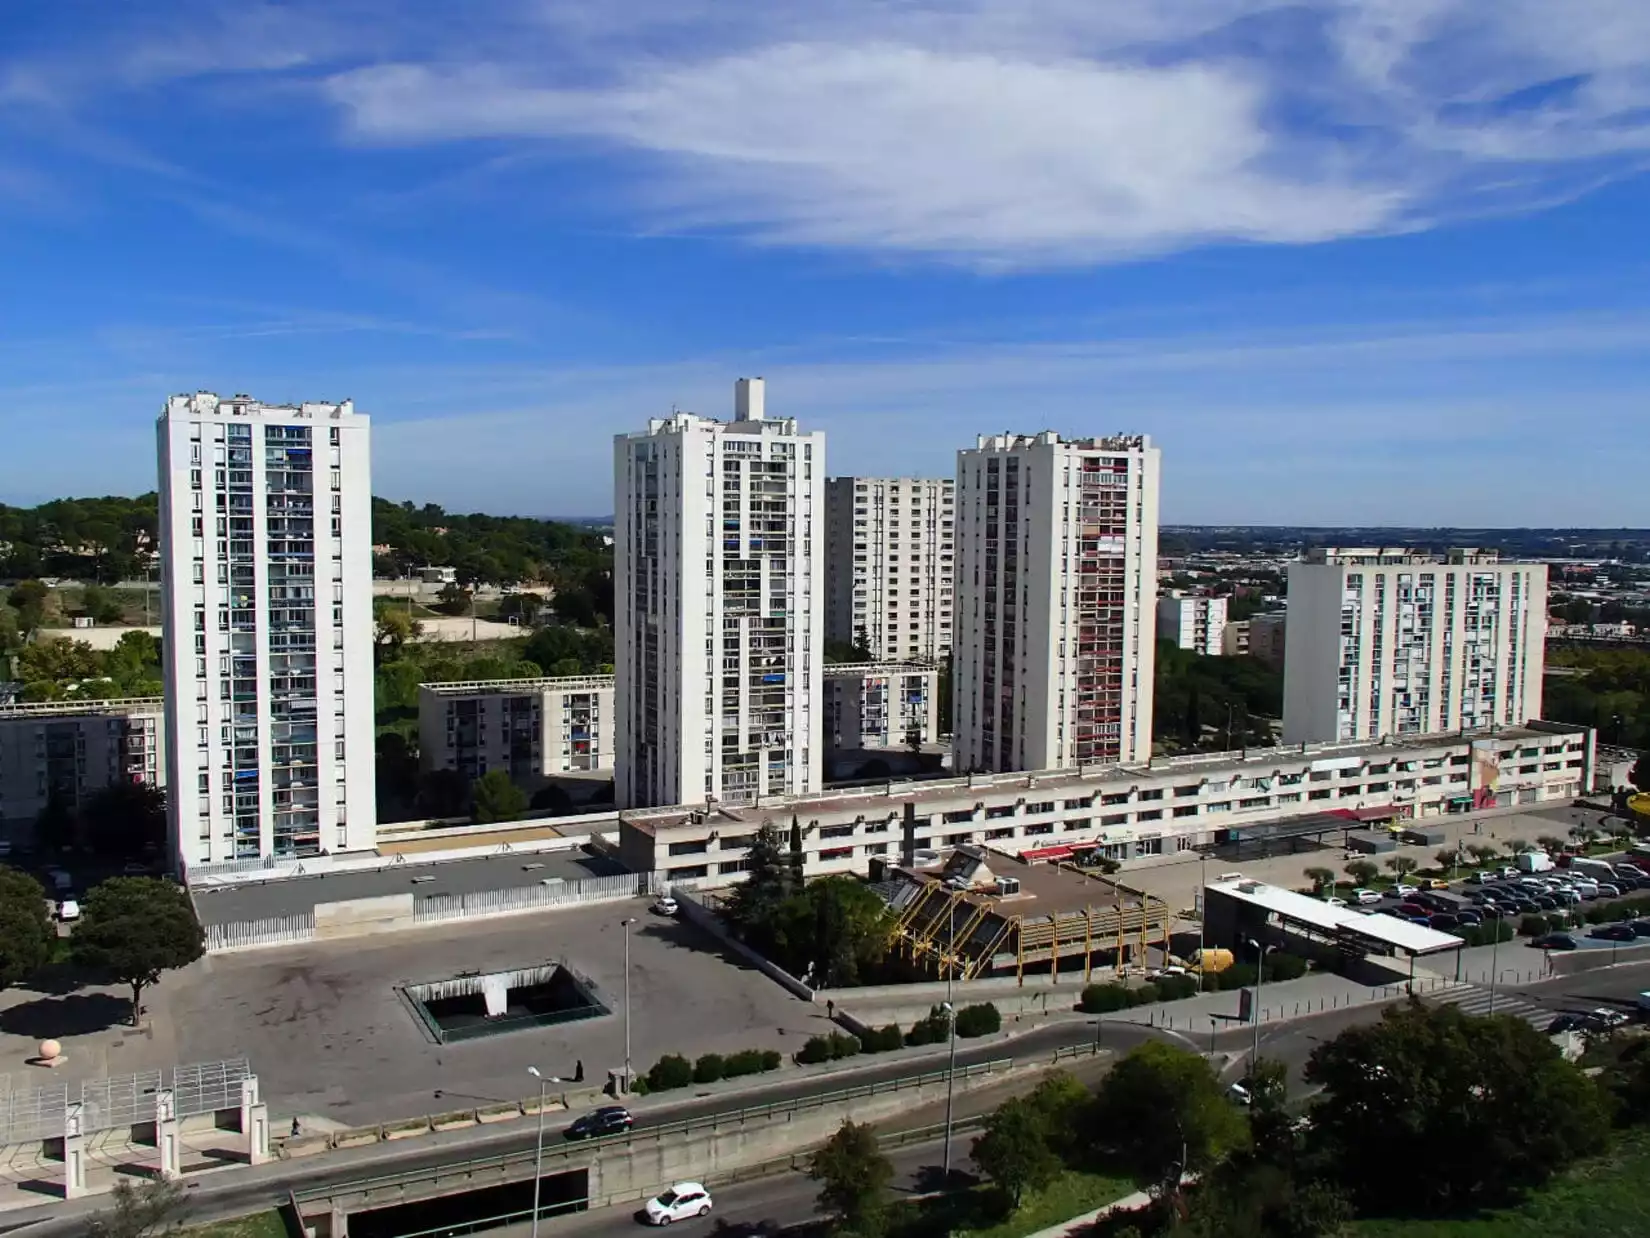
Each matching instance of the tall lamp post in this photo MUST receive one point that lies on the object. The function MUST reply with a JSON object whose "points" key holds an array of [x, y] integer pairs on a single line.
{"points": [[1202, 916], [538, 1149], [625, 925], [1260, 983], [950, 1084]]}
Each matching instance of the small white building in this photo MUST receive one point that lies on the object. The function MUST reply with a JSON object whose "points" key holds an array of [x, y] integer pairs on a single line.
{"points": [[533, 729], [1192, 621], [881, 704]]}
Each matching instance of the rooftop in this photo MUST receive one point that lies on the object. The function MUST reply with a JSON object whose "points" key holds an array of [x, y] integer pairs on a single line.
{"points": [[1045, 889], [1337, 921], [856, 670], [566, 683], [82, 709]]}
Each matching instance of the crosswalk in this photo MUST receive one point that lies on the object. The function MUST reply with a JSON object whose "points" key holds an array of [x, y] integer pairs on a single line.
{"points": [[1472, 999]]}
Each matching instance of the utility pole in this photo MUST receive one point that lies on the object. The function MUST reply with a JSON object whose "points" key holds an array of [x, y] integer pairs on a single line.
{"points": [[950, 1087], [625, 924]]}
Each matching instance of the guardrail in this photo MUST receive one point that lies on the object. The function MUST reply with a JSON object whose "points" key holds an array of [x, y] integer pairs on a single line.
{"points": [[526, 1156]]}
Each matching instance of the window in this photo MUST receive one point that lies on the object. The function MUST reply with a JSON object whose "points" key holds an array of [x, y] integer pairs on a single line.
{"points": [[697, 846]]}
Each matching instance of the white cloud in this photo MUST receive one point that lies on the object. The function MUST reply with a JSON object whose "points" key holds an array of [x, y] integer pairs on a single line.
{"points": [[992, 132]]}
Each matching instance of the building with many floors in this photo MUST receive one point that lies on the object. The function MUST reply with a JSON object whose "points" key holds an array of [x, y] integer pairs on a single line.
{"points": [[881, 704], [1056, 601], [1388, 641], [533, 729], [719, 554], [1268, 633], [1195, 622], [890, 565], [266, 519], [69, 751], [1128, 812]]}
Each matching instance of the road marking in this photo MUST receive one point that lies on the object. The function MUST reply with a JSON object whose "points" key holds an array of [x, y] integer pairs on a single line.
{"points": [[1474, 1000]]}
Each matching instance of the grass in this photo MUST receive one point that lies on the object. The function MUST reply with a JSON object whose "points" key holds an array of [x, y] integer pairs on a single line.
{"points": [[976, 1211], [1605, 1198], [266, 1224]]}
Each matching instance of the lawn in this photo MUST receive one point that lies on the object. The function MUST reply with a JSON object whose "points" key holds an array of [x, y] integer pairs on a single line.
{"points": [[1606, 1198], [975, 1211], [266, 1224]]}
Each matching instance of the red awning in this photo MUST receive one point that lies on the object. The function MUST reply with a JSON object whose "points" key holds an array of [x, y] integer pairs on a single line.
{"points": [[1386, 813], [1047, 853]]}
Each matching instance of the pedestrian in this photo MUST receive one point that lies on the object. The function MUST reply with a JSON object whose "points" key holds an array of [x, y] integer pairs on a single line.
{"points": [[830, 1009], [295, 1128], [578, 1071]]}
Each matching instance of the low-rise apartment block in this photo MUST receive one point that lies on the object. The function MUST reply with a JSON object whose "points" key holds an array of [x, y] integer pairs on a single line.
{"points": [[532, 728], [1234, 641], [1130, 812], [1267, 633], [72, 751], [1193, 622], [881, 704]]}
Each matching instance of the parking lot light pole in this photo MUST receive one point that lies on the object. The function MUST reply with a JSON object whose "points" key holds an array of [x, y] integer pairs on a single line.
{"points": [[538, 1149], [1260, 984], [625, 925], [950, 1085], [1495, 947]]}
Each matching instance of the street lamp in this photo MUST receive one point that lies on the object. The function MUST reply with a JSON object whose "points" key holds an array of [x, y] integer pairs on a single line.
{"points": [[538, 1150], [625, 925], [1202, 917], [1260, 983], [950, 1083]]}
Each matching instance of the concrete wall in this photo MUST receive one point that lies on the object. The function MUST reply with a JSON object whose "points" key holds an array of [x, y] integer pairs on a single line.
{"points": [[700, 916], [360, 917]]}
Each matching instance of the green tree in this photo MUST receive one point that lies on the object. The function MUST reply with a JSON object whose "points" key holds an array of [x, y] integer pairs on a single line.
{"points": [[836, 929], [1361, 871], [100, 604], [28, 599], [853, 1175], [154, 1206], [392, 627], [1162, 1113], [1014, 1150], [453, 599], [1476, 1109], [26, 931], [1483, 853], [135, 928], [125, 820], [1401, 866], [493, 797], [753, 906], [1321, 878]]}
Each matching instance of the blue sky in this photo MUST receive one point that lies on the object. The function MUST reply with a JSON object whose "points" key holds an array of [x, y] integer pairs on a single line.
{"points": [[1348, 261]]}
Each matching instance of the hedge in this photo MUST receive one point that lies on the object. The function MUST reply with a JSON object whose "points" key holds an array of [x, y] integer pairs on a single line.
{"points": [[1484, 934], [675, 1071], [1532, 926], [709, 1068], [980, 1020], [671, 1071], [1103, 998], [882, 1039], [827, 1048], [931, 1029], [750, 1062]]}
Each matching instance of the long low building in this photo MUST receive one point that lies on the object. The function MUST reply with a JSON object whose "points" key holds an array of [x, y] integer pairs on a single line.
{"points": [[1126, 812], [56, 749], [533, 729]]}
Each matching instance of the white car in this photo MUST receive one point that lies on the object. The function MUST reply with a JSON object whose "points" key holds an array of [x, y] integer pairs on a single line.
{"points": [[1365, 898], [1402, 890], [664, 905], [68, 910], [1482, 878], [684, 1200], [1335, 902]]}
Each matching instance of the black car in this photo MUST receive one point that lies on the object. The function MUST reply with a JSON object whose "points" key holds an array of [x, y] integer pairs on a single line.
{"points": [[1492, 911], [1554, 941], [608, 1120], [1614, 932], [1640, 927], [1568, 1023], [1546, 902], [1525, 907]]}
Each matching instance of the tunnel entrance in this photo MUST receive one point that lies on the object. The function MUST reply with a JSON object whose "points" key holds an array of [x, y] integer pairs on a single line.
{"points": [[472, 1212], [470, 1006]]}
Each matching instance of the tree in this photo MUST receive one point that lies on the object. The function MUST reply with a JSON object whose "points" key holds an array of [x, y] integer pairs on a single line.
{"points": [[454, 599], [26, 931], [125, 820], [1162, 1113], [1361, 871], [493, 797], [392, 628], [1014, 1151], [441, 793], [1520, 846], [28, 599], [100, 604], [1483, 852], [135, 928], [1321, 878], [836, 928], [753, 907], [1477, 1109], [1401, 866], [853, 1175], [153, 1207], [1552, 844]]}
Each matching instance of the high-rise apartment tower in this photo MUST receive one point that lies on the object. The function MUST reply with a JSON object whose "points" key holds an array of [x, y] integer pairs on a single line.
{"points": [[1056, 601], [890, 565], [1388, 641], [266, 543], [719, 552]]}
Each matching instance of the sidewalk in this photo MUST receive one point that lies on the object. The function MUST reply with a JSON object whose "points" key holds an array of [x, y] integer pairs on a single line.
{"points": [[1129, 1202], [1279, 1001]]}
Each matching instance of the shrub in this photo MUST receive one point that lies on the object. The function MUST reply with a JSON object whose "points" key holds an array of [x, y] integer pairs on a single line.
{"points": [[827, 1048], [1532, 926], [1103, 998], [1174, 988], [979, 1020], [882, 1039], [745, 1062], [709, 1068], [1144, 995], [932, 1029], [671, 1071], [1285, 967], [771, 1059], [1484, 934], [1237, 976]]}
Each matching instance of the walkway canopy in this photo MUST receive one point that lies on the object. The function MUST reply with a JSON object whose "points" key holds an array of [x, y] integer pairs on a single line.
{"points": [[1376, 933]]}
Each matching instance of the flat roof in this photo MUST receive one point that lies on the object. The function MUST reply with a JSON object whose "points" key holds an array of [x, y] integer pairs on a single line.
{"points": [[1304, 909], [1045, 889]]}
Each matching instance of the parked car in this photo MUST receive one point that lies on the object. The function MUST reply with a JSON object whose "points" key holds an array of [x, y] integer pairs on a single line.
{"points": [[685, 1199], [1568, 1023], [1491, 911], [1482, 877], [1546, 902], [1613, 932], [1435, 883], [1335, 902], [1401, 890], [1470, 915], [1443, 920], [1507, 871], [1365, 898], [664, 905], [68, 910], [608, 1120], [1554, 941], [1641, 928]]}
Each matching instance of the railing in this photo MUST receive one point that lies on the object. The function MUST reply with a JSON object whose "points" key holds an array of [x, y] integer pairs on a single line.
{"points": [[31, 1114], [536, 898], [272, 931], [524, 1157]]}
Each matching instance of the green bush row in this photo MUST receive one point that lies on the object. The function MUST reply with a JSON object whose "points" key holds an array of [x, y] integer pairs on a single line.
{"points": [[675, 1071], [827, 1048], [1105, 998], [1484, 934], [1611, 912]]}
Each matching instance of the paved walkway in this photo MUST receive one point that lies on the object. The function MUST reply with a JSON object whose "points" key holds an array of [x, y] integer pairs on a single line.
{"points": [[1279, 1001]]}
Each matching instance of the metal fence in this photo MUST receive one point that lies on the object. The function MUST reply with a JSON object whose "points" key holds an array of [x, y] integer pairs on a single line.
{"points": [[273, 931], [28, 1115], [535, 898]]}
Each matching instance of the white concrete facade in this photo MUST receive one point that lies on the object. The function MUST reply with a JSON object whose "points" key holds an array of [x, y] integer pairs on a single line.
{"points": [[1056, 601], [890, 565], [531, 728], [719, 556], [881, 704], [1385, 641], [1129, 812], [266, 544], [1193, 622], [72, 750]]}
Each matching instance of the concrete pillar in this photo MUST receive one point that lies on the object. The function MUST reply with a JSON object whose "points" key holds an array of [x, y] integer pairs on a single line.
{"points": [[340, 1221], [254, 1122], [167, 1139], [74, 1154]]}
